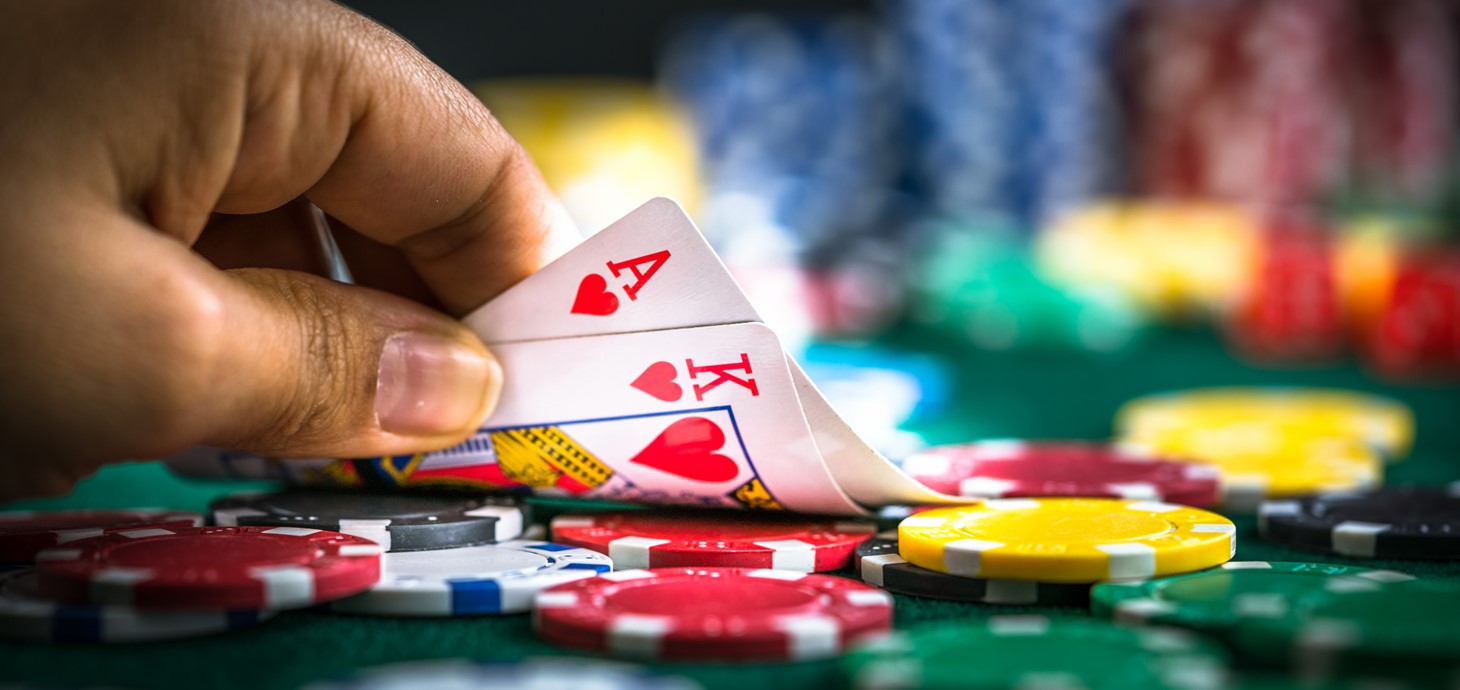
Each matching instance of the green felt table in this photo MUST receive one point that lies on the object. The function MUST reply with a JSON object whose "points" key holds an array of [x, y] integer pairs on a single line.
{"points": [[995, 395]]}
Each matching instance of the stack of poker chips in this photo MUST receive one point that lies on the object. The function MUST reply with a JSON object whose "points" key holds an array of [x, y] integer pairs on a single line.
{"points": [[136, 575], [1056, 516], [1273, 443], [979, 284], [680, 593], [1042, 551], [1321, 620], [1286, 286], [695, 586]]}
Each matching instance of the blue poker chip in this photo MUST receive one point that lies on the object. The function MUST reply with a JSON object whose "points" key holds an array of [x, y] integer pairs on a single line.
{"points": [[25, 614], [472, 580], [533, 673]]}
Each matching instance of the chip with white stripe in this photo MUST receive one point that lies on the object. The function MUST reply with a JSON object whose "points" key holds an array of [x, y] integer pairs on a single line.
{"points": [[24, 533], [713, 614], [879, 565], [1036, 653], [472, 580], [1215, 600], [1066, 539], [1405, 522], [1012, 468], [667, 539], [250, 568], [25, 614]]}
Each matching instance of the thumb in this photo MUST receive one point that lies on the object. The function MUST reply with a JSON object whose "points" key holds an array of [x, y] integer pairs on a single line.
{"points": [[318, 368]]}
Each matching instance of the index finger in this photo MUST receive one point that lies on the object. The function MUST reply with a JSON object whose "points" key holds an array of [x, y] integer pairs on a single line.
{"points": [[421, 165]]}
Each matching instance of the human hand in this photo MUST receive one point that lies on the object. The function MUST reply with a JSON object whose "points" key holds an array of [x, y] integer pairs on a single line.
{"points": [[147, 147]]}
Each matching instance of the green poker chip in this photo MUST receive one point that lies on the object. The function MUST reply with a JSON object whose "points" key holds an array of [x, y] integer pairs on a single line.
{"points": [[1215, 600], [1329, 629], [1037, 652]]}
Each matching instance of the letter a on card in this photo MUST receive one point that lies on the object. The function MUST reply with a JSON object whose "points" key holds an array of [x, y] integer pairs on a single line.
{"points": [[649, 271]]}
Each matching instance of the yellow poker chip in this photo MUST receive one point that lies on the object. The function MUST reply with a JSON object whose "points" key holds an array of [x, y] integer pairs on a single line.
{"points": [[1066, 539], [1263, 463], [1258, 413]]}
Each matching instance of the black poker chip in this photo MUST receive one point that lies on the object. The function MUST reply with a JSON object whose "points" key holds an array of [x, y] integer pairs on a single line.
{"points": [[1406, 522], [878, 563], [398, 521]]}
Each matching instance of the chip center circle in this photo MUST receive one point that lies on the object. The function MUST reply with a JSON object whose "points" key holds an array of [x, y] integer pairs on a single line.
{"points": [[1056, 527], [210, 552]]}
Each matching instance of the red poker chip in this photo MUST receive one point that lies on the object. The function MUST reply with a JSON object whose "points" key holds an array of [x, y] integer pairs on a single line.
{"points": [[211, 567], [1018, 469], [1292, 310], [23, 534], [665, 539], [710, 614], [1417, 334]]}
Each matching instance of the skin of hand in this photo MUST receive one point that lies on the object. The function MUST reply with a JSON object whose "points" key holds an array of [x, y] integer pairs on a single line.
{"points": [[155, 243]]}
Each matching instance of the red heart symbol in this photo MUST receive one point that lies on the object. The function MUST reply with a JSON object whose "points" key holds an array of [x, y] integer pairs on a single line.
{"points": [[686, 449], [658, 381], [594, 298]]}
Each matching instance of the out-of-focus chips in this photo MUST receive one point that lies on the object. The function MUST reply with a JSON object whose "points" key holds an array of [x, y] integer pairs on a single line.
{"points": [[604, 146]]}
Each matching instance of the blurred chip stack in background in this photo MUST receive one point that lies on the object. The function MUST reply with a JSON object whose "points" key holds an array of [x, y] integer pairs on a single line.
{"points": [[796, 120], [1053, 176]]}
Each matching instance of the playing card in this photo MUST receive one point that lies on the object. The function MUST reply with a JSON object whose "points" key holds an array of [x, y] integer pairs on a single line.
{"points": [[651, 270], [698, 416], [635, 369]]}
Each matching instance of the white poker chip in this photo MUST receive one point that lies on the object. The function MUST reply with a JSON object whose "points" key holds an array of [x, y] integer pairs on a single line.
{"points": [[25, 614], [533, 673], [472, 580]]}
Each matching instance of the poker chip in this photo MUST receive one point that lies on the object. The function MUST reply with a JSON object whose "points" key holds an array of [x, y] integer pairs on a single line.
{"points": [[1015, 469], [1036, 652], [662, 539], [1407, 621], [398, 521], [25, 614], [1066, 539], [210, 567], [1261, 467], [704, 614], [23, 534], [878, 563], [1215, 600], [1380, 423], [1409, 522], [472, 580], [532, 673]]}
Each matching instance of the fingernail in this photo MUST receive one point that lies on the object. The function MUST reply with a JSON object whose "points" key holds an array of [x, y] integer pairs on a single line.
{"points": [[429, 384]]}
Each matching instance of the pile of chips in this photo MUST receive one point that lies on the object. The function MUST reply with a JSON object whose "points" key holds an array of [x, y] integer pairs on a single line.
{"points": [[978, 283], [1286, 287], [1272, 443], [1124, 533], [1042, 550], [126, 576], [722, 587]]}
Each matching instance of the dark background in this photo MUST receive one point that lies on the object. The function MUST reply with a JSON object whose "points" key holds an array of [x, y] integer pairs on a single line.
{"points": [[480, 40]]}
